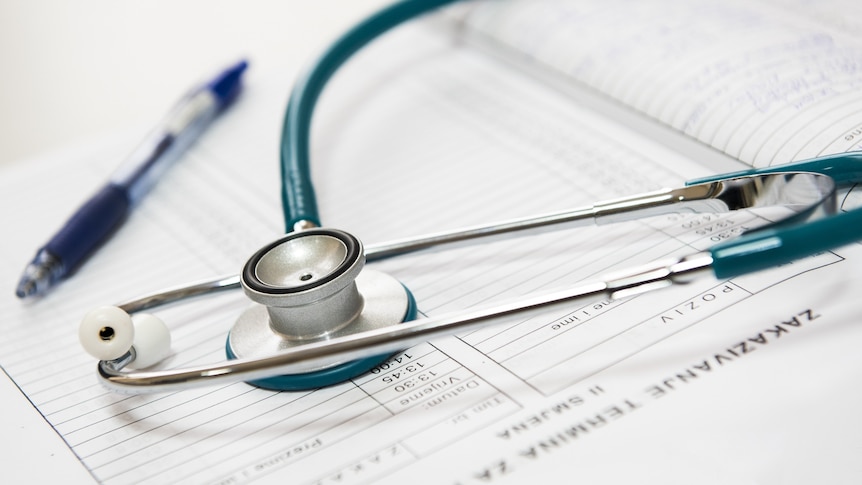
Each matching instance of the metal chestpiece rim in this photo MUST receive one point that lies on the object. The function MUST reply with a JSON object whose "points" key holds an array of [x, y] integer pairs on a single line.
{"points": [[310, 286]]}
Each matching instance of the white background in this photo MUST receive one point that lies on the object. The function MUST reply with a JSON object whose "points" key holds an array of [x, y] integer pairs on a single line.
{"points": [[75, 71]]}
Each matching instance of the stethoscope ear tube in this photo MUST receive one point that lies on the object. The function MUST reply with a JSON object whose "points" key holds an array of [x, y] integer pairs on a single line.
{"points": [[771, 247], [289, 276]]}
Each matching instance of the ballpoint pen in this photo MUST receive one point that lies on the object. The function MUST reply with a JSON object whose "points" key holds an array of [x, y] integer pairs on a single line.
{"points": [[96, 220]]}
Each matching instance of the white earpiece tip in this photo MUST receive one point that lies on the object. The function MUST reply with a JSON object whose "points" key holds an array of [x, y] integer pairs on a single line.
{"points": [[152, 340], [106, 333]]}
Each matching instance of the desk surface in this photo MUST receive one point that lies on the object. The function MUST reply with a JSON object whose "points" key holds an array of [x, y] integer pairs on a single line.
{"points": [[74, 71]]}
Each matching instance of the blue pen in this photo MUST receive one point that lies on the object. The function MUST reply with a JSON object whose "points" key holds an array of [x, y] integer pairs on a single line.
{"points": [[100, 216]]}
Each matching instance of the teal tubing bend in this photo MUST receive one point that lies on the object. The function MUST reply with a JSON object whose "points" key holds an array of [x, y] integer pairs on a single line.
{"points": [[772, 247], [844, 168], [298, 199]]}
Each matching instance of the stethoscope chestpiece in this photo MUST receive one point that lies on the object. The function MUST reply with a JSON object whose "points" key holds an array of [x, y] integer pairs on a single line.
{"points": [[310, 286]]}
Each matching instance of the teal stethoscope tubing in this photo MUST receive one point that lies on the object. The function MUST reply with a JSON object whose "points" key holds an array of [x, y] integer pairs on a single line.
{"points": [[298, 199], [778, 245], [751, 252]]}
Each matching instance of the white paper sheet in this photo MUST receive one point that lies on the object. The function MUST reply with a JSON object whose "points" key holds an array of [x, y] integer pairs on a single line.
{"points": [[751, 379]]}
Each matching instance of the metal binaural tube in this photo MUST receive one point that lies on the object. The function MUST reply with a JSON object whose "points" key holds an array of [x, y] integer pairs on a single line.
{"points": [[798, 191], [398, 337]]}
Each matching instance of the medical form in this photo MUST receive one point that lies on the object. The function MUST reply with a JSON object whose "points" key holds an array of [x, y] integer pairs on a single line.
{"points": [[747, 380]]}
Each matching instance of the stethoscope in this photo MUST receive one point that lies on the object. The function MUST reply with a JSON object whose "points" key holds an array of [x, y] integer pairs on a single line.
{"points": [[320, 318]]}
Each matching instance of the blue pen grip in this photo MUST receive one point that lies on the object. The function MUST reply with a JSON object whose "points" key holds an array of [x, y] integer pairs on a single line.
{"points": [[771, 247], [89, 226]]}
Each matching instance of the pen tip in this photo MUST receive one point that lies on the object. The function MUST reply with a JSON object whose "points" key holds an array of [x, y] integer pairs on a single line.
{"points": [[25, 289], [40, 274]]}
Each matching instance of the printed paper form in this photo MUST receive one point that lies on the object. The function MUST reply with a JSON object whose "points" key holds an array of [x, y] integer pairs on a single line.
{"points": [[765, 82], [505, 148]]}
